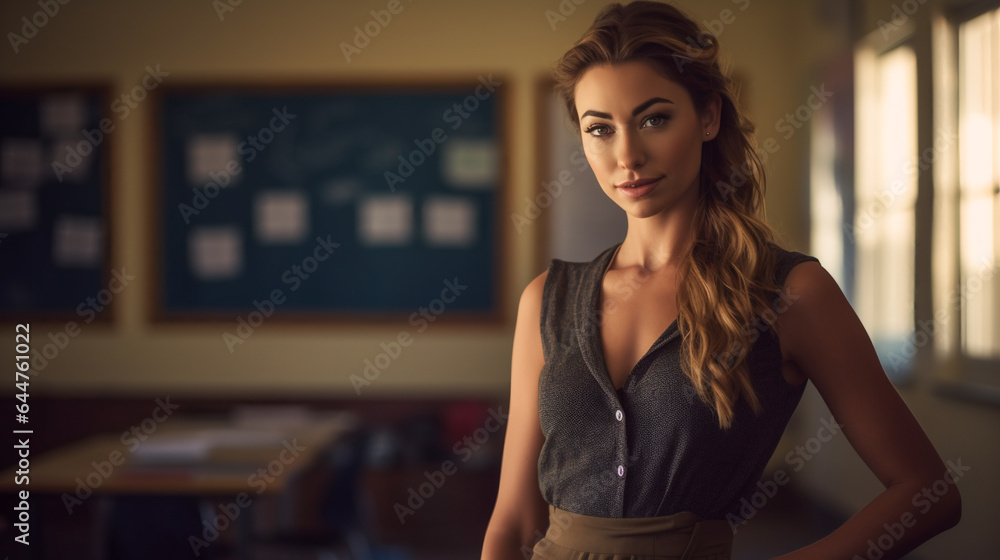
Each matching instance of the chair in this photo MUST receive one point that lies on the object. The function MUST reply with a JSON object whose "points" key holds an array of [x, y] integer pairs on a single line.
{"points": [[154, 527], [345, 510]]}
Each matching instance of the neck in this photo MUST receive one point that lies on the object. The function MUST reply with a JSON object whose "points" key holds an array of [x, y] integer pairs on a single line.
{"points": [[662, 240]]}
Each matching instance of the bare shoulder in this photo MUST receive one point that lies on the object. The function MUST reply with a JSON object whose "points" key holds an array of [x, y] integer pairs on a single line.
{"points": [[810, 299], [809, 277], [531, 297], [822, 334], [807, 285], [527, 330]]}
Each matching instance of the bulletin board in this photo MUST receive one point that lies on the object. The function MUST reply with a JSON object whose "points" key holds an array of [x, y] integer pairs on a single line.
{"points": [[54, 219], [338, 201]]}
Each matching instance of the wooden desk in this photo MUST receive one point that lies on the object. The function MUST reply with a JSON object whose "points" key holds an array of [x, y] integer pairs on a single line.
{"points": [[186, 457], [224, 469]]}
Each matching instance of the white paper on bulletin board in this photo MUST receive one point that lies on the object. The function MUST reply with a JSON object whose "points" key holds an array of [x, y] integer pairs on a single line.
{"points": [[18, 210], [216, 253], [63, 115], [385, 220], [76, 241], [209, 158], [21, 162], [449, 221], [281, 217], [469, 163]]}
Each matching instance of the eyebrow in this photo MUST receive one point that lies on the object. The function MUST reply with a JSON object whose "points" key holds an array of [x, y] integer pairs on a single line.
{"points": [[635, 111]]}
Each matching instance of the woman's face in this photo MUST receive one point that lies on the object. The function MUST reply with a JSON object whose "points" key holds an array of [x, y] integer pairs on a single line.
{"points": [[638, 125]]}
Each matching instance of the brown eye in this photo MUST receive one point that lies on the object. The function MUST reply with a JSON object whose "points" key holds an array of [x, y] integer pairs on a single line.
{"points": [[658, 119], [597, 127]]}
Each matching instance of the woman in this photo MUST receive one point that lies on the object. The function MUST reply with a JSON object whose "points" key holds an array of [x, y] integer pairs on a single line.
{"points": [[650, 386]]}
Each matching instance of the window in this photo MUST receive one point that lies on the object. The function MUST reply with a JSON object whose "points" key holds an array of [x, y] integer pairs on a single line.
{"points": [[967, 200], [979, 183], [882, 230]]}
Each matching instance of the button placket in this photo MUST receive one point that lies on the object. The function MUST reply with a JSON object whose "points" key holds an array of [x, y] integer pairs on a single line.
{"points": [[619, 416]]}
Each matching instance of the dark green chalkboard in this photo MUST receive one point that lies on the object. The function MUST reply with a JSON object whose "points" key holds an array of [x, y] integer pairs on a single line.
{"points": [[350, 200], [54, 225]]}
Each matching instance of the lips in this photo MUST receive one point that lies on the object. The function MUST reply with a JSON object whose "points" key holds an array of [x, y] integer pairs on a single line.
{"points": [[638, 187], [638, 182]]}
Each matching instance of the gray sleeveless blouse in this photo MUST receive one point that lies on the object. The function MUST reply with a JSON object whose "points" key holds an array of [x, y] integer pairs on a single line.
{"points": [[652, 448]]}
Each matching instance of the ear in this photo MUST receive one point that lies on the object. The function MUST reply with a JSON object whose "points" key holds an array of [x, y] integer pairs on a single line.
{"points": [[711, 117]]}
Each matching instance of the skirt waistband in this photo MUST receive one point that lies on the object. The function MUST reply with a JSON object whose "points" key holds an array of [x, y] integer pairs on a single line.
{"points": [[683, 535]]}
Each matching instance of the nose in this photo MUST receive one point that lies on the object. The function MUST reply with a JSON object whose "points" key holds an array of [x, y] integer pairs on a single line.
{"points": [[630, 151]]}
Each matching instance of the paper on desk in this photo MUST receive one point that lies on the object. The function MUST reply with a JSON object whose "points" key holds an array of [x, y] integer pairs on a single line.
{"points": [[216, 253], [63, 115], [20, 162], [18, 210], [449, 221], [197, 445], [76, 241], [281, 217], [176, 449], [246, 437], [385, 220], [208, 157]]}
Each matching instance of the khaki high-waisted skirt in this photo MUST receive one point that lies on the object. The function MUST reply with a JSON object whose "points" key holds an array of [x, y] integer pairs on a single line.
{"points": [[682, 536]]}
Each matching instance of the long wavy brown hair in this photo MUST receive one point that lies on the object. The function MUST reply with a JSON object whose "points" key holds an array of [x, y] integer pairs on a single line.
{"points": [[727, 279]]}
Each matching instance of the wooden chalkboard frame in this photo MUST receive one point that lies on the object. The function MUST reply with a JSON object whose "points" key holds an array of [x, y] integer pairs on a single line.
{"points": [[102, 90], [496, 315]]}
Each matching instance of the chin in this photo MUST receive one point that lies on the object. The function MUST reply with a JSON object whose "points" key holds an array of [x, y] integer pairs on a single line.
{"points": [[641, 215], [640, 208]]}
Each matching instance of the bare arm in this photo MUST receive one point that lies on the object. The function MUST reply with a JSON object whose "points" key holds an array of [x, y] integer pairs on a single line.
{"points": [[827, 341], [520, 511]]}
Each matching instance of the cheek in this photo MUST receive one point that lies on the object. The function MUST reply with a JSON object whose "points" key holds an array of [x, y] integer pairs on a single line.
{"points": [[671, 145], [677, 151], [597, 156]]}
